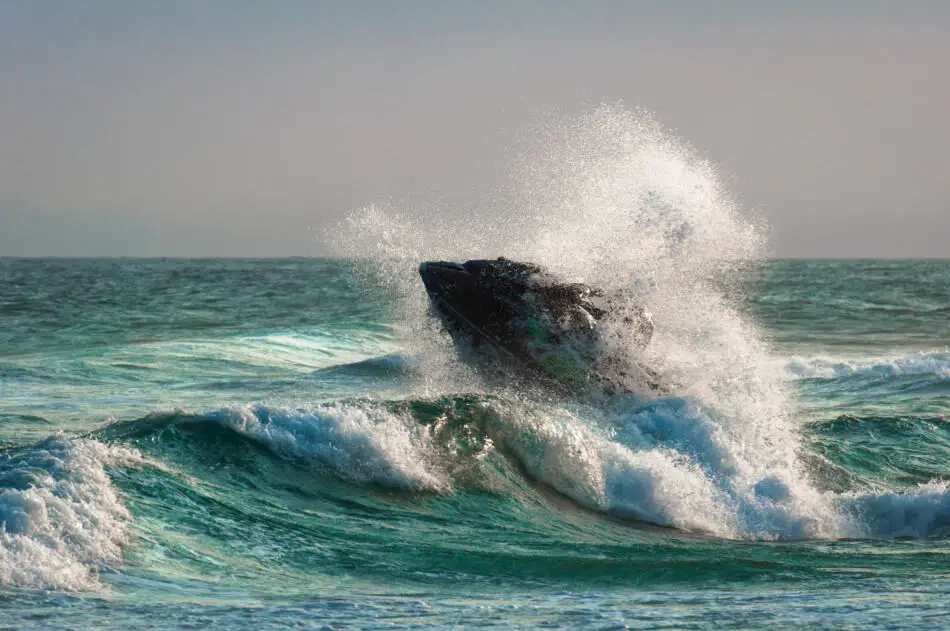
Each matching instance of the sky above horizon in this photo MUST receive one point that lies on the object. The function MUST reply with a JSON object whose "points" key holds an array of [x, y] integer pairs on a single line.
{"points": [[240, 128]]}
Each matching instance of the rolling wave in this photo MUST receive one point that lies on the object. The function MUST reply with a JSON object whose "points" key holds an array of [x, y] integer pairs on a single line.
{"points": [[472, 463], [664, 462], [62, 518]]}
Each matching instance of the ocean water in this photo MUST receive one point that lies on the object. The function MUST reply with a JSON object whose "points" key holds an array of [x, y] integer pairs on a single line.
{"points": [[254, 444], [293, 443]]}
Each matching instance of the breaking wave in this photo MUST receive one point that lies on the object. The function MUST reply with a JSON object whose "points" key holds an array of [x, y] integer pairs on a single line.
{"points": [[665, 462], [62, 519], [361, 444]]}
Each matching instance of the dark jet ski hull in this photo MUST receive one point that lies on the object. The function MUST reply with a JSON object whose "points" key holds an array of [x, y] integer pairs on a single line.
{"points": [[513, 319]]}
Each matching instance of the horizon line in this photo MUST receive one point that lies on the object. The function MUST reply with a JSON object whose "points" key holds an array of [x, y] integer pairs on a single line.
{"points": [[341, 258]]}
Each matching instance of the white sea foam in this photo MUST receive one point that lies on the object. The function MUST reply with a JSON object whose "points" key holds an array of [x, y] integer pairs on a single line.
{"points": [[921, 512], [62, 519], [361, 443], [666, 463], [922, 363], [660, 485]]}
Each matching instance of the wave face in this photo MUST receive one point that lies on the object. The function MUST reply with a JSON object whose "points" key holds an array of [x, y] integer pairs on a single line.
{"points": [[269, 443]]}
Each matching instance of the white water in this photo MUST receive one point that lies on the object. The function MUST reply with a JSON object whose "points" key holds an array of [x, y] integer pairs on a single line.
{"points": [[823, 367], [363, 444], [63, 520]]}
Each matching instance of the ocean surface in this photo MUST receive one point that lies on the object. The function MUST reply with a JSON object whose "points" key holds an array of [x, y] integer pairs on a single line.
{"points": [[291, 444]]}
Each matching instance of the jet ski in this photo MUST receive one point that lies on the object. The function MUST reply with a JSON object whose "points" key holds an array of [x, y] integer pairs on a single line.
{"points": [[510, 318]]}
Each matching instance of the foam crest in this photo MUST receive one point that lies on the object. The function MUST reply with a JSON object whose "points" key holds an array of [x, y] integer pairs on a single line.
{"points": [[62, 519], [665, 487], [921, 512], [360, 443], [923, 363], [660, 486], [667, 463]]}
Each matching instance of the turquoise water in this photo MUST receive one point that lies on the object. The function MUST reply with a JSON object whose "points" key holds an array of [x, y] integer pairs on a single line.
{"points": [[274, 443]]}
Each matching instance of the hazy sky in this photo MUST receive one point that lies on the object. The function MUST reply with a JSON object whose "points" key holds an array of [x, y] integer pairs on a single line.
{"points": [[139, 127]]}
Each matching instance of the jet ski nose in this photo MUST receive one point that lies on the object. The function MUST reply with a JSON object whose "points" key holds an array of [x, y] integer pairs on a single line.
{"points": [[437, 269], [439, 276], [448, 265]]}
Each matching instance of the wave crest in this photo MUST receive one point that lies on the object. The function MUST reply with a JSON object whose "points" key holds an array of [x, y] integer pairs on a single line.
{"points": [[360, 443], [62, 519], [920, 512], [923, 363]]}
